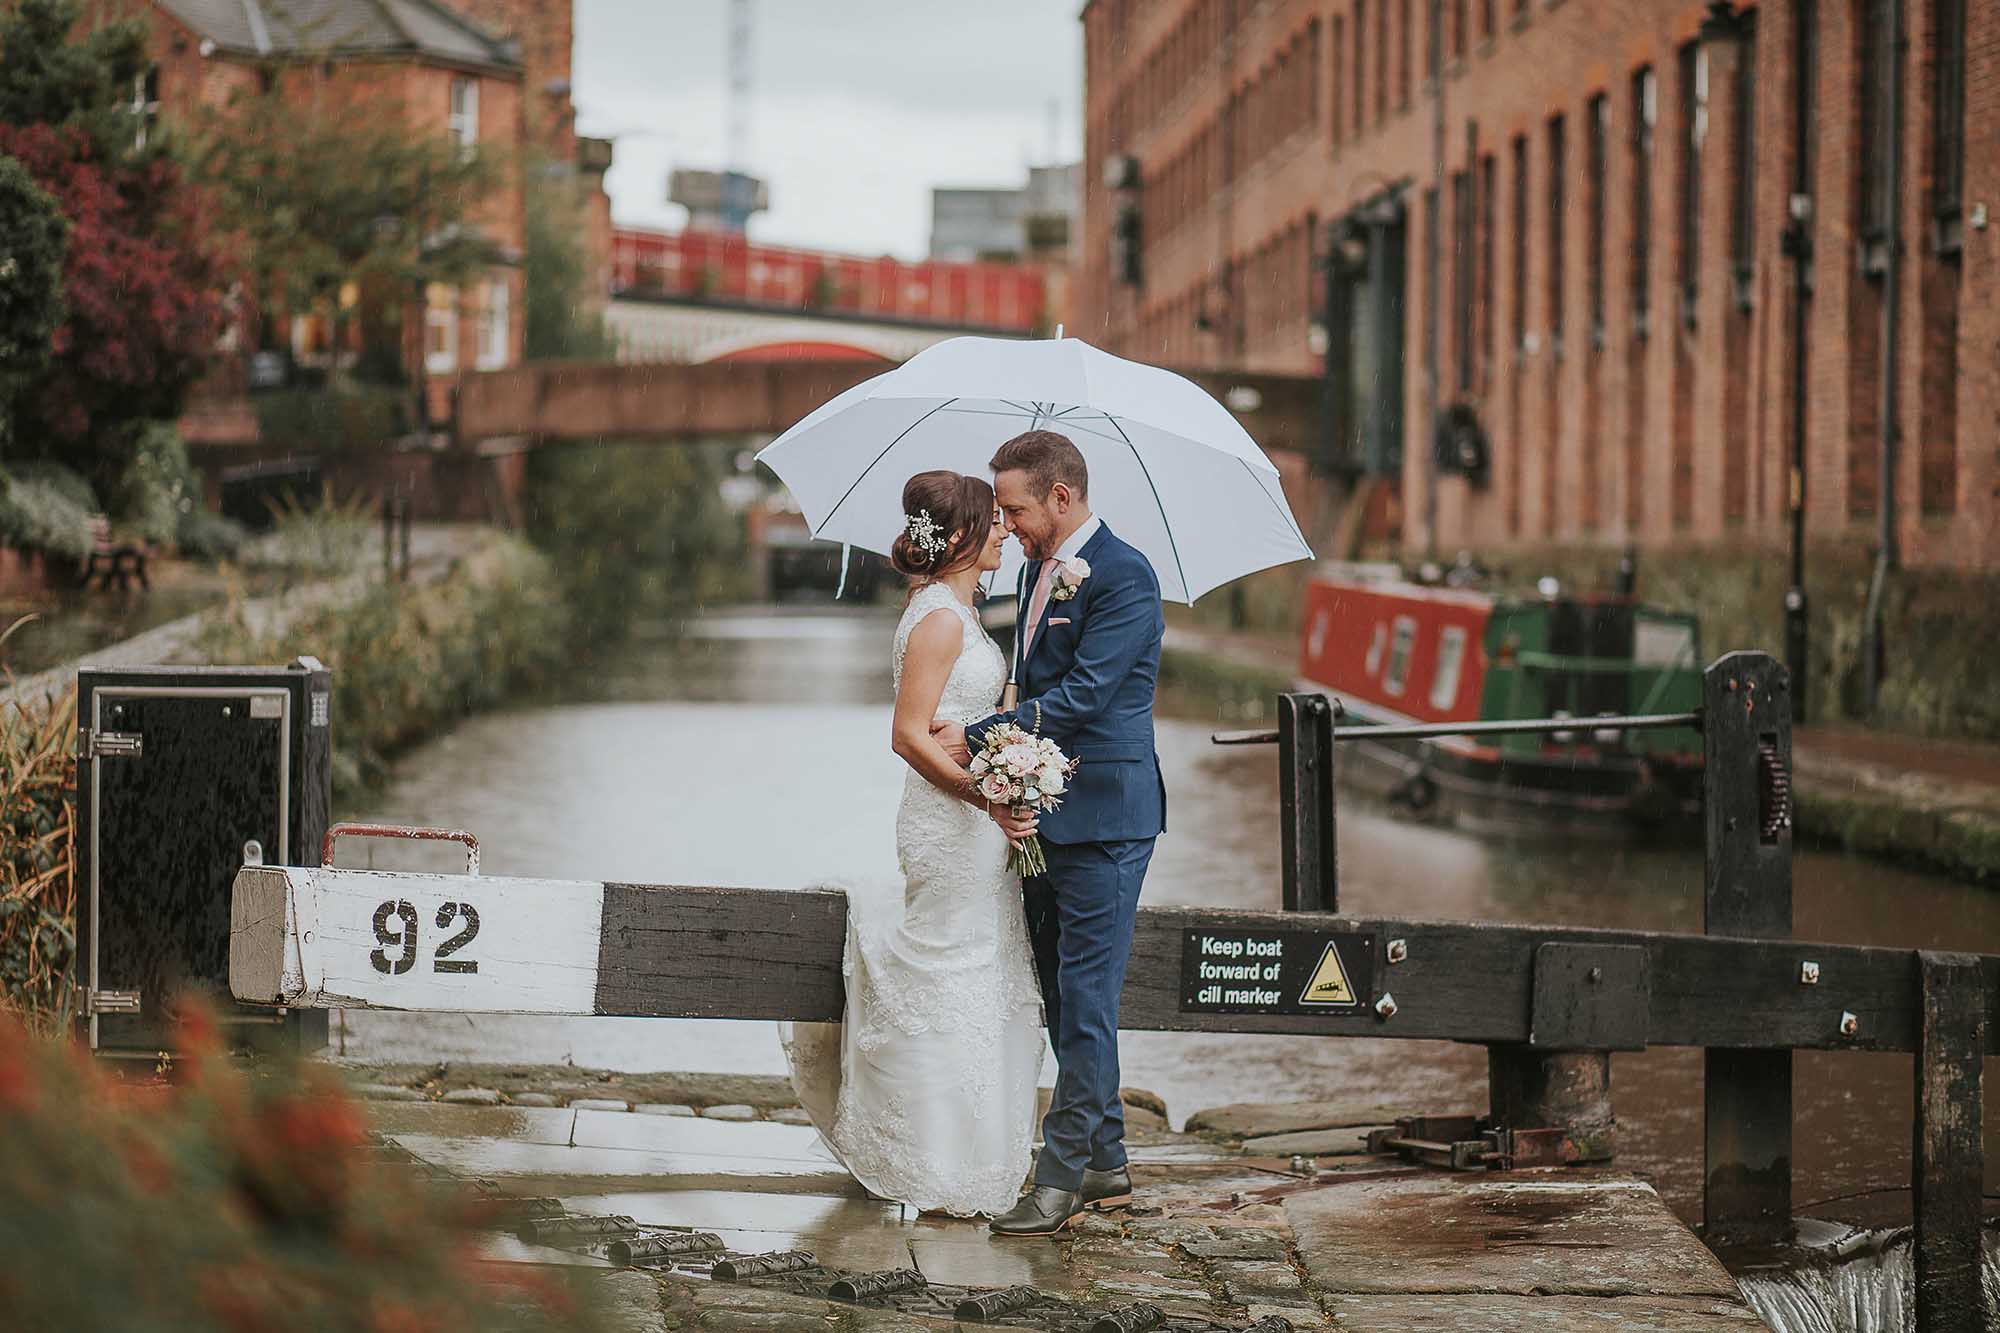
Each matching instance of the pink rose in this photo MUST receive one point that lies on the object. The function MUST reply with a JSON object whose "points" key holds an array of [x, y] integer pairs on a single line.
{"points": [[993, 787]]}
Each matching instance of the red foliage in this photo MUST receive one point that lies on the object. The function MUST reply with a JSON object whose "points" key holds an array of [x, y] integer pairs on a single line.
{"points": [[144, 294]]}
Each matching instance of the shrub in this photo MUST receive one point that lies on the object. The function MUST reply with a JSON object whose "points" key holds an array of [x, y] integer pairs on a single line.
{"points": [[160, 486], [225, 1198], [204, 535], [407, 659], [637, 530], [37, 857], [44, 507], [329, 538], [344, 416]]}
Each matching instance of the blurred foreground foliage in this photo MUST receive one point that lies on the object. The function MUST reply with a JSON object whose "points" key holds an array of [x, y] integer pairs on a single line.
{"points": [[231, 1197], [638, 531], [408, 658]]}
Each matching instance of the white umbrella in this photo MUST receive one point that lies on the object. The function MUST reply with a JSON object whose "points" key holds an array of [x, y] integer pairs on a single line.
{"points": [[1171, 470]]}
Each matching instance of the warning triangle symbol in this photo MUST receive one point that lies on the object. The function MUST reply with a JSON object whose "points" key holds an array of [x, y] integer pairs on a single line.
{"points": [[1329, 981]]}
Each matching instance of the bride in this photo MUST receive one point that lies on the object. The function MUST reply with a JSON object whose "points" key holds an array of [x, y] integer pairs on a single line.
{"points": [[926, 1090]]}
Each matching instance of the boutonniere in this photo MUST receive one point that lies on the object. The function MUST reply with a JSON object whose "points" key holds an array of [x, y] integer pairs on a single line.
{"points": [[1070, 575]]}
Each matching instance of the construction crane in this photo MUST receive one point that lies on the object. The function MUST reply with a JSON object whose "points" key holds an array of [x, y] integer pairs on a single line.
{"points": [[739, 189]]}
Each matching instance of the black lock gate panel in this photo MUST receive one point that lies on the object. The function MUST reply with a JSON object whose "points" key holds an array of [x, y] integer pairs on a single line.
{"points": [[184, 776]]}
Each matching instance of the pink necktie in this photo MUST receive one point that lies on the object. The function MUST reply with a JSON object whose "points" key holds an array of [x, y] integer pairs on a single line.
{"points": [[1038, 604]]}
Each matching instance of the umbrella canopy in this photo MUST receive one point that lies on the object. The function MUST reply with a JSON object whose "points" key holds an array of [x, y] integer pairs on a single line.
{"points": [[1171, 470]]}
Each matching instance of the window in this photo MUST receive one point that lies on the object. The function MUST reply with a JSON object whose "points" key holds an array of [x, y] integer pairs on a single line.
{"points": [[1406, 34], [1877, 115], [440, 329], [1694, 131], [1645, 115], [1339, 36], [1451, 658], [1382, 63], [1743, 223], [1948, 164], [1489, 191], [1399, 655], [1461, 287], [1461, 25], [1360, 63], [1599, 117], [1558, 211], [494, 343], [463, 123], [144, 106], [1520, 240]]}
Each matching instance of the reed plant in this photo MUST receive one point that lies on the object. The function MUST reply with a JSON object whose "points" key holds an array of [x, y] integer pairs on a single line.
{"points": [[37, 855]]}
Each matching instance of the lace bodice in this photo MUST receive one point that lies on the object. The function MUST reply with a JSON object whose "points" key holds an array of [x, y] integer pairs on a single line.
{"points": [[973, 688]]}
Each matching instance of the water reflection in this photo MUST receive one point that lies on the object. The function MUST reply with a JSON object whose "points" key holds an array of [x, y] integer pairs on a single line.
{"points": [[711, 758]]}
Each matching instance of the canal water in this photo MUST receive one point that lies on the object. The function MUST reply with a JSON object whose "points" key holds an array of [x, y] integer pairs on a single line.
{"points": [[753, 750]]}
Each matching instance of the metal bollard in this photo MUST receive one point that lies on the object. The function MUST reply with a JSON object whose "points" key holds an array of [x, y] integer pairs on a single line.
{"points": [[563, 1230], [764, 1265], [1135, 1318], [867, 1286], [672, 1245], [994, 1304]]}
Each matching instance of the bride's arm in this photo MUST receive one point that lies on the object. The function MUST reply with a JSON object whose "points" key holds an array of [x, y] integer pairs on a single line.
{"points": [[928, 658]]}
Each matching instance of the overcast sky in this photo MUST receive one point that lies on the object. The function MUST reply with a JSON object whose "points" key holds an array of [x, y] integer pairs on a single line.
{"points": [[858, 107]]}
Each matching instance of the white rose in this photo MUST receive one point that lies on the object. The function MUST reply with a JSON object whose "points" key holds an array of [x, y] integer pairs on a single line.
{"points": [[1076, 571], [1052, 781]]}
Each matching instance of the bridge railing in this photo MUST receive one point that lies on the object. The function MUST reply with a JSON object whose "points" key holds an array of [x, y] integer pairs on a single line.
{"points": [[1550, 1002]]}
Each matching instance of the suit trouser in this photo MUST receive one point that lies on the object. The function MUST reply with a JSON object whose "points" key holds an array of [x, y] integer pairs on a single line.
{"points": [[1080, 917]]}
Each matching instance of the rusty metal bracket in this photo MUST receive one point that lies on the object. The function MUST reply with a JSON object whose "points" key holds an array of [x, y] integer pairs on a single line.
{"points": [[1474, 1143]]}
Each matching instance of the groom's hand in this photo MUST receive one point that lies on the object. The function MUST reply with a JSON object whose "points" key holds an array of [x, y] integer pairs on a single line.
{"points": [[951, 736]]}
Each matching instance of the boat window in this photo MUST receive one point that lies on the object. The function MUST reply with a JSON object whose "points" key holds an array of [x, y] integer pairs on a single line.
{"points": [[1667, 643], [1451, 655], [1399, 655], [1376, 646]]}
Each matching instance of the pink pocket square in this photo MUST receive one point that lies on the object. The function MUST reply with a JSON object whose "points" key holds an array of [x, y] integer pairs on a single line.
{"points": [[1058, 620]]}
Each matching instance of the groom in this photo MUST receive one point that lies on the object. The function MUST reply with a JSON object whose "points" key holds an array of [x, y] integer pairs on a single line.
{"points": [[1087, 659]]}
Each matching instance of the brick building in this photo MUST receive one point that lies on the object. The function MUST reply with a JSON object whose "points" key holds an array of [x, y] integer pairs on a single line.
{"points": [[443, 73], [1587, 231]]}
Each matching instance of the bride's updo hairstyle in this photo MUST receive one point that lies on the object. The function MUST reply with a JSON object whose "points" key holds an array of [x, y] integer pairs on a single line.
{"points": [[946, 517]]}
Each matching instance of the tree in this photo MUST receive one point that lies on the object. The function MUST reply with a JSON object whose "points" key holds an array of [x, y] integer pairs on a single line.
{"points": [[48, 79], [560, 324], [320, 195], [141, 292], [143, 297], [33, 239]]}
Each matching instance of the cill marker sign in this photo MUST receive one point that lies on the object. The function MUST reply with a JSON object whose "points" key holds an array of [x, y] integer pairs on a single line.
{"points": [[1275, 972]]}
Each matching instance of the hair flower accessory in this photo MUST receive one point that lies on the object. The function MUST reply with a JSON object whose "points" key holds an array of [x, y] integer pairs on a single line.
{"points": [[1070, 575], [924, 533]]}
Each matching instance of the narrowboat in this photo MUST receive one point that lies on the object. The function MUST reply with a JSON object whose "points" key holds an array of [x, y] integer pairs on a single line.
{"points": [[1392, 651]]}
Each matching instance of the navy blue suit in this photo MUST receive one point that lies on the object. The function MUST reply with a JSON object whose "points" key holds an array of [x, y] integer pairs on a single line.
{"points": [[1089, 678]]}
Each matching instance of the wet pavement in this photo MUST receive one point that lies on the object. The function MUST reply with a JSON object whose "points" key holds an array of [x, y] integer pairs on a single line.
{"points": [[708, 760], [1214, 1240]]}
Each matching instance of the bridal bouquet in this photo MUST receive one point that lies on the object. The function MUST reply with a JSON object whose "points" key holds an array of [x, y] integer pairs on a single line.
{"points": [[1028, 772]]}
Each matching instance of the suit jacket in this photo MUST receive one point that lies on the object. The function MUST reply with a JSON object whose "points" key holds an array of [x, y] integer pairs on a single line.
{"points": [[1092, 669]]}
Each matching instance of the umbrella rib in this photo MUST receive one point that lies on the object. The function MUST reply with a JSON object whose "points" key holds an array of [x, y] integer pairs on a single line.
{"points": [[1165, 522], [1290, 521], [879, 457]]}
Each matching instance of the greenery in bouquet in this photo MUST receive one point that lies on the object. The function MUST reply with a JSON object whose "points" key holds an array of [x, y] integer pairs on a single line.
{"points": [[221, 1196]]}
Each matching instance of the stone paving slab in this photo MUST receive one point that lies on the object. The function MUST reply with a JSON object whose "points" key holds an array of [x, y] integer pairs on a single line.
{"points": [[522, 1162], [1464, 1312], [1244, 1120], [1346, 1142], [549, 1126], [1527, 1233], [660, 1133]]}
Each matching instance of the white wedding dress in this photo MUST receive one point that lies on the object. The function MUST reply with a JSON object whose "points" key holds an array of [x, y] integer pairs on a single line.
{"points": [[926, 1090]]}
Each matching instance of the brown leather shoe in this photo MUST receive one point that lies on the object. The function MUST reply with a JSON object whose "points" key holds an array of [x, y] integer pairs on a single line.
{"points": [[1042, 1211], [1106, 1189]]}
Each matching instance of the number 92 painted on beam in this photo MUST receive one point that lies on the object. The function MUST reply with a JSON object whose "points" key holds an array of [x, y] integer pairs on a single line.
{"points": [[365, 938]]}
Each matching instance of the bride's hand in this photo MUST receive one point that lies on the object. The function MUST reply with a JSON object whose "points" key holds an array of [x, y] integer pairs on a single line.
{"points": [[1018, 825]]}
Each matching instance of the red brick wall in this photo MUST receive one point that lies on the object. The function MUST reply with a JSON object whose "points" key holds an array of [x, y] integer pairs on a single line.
{"points": [[1680, 433]]}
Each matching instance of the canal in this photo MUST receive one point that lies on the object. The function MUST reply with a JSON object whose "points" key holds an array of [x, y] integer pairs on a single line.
{"points": [[752, 750]]}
